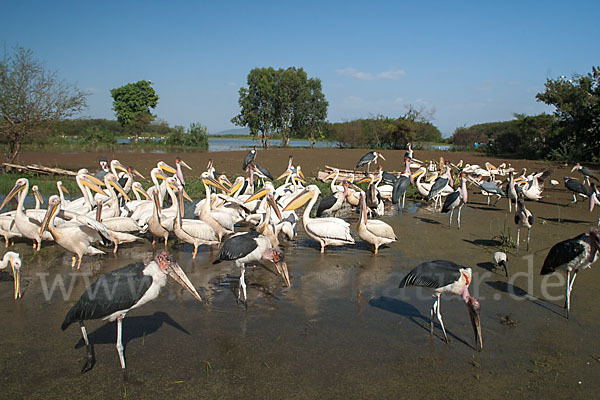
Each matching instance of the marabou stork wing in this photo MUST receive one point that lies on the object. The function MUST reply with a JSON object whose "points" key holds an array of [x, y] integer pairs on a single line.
{"points": [[325, 204], [437, 187], [389, 178], [491, 188], [264, 171], [330, 228], [433, 274], [111, 292], [248, 159], [365, 159], [588, 172], [450, 199], [563, 253], [576, 186], [237, 246]]}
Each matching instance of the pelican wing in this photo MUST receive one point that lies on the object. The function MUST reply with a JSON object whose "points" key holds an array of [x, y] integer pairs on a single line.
{"points": [[199, 229], [330, 228], [381, 229]]}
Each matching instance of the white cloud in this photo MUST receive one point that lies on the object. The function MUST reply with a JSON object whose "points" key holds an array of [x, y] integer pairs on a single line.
{"points": [[368, 76]]}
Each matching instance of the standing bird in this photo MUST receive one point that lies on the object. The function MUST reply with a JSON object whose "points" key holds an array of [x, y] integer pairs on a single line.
{"points": [[446, 277], [104, 169], [511, 191], [438, 187], [572, 255], [14, 260], [130, 287], [576, 187], [458, 198], [251, 247], [523, 218], [594, 198], [249, 158], [373, 231], [586, 172], [489, 189], [500, 260], [179, 174], [369, 158]]}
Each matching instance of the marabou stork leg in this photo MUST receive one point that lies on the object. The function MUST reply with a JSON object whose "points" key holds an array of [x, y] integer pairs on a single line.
{"points": [[242, 288], [459, 208], [450, 223], [518, 236], [120, 345], [404, 197], [488, 197], [509, 205], [439, 316], [89, 360], [433, 310], [528, 232], [574, 198], [569, 289]]}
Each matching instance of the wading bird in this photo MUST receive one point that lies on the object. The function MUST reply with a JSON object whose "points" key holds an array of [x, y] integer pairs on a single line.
{"points": [[373, 231], [249, 158], [576, 187], [446, 277], [458, 198], [523, 218], [251, 247], [586, 172], [572, 255], [368, 159], [500, 260], [327, 231], [14, 260], [130, 287]]}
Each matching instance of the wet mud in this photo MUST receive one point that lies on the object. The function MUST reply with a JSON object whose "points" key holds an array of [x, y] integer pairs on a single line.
{"points": [[342, 330]]}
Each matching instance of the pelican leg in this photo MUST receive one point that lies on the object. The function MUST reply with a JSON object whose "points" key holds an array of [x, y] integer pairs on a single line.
{"points": [[195, 251], [166, 243], [120, 345], [89, 360], [73, 260], [79, 262], [116, 248]]}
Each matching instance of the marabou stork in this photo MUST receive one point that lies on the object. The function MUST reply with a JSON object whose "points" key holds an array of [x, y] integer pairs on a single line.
{"points": [[438, 186], [500, 260], [251, 247], [130, 287], [523, 218], [446, 277], [586, 172], [249, 158], [104, 169], [458, 198], [572, 255], [576, 187], [369, 158], [14, 260], [409, 152], [489, 189], [511, 191], [594, 198], [331, 204], [402, 183], [179, 174], [262, 172]]}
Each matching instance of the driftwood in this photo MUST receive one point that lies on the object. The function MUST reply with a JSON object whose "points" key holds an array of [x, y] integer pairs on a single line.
{"points": [[39, 169], [345, 173]]}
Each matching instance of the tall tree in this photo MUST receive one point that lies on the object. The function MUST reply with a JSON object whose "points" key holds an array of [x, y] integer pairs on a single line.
{"points": [[280, 101], [577, 103], [132, 104], [32, 98]]}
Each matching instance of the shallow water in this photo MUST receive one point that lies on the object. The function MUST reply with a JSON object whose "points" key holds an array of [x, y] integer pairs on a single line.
{"points": [[343, 329]]}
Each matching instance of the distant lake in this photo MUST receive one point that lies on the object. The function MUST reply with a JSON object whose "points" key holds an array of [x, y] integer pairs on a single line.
{"points": [[232, 144]]}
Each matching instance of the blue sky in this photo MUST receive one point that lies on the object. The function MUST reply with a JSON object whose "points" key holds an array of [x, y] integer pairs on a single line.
{"points": [[468, 62]]}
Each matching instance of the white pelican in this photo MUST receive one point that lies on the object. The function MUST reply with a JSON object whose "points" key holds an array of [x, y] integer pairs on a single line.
{"points": [[192, 231], [78, 237], [120, 229], [373, 231], [205, 213], [14, 260], [160, 225], [326, 231]]}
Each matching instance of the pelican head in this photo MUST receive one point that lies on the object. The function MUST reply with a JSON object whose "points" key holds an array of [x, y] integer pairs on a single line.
{"points": [[20, 185], [111, 180], [165, 167], [53, 206], [304, 196]]}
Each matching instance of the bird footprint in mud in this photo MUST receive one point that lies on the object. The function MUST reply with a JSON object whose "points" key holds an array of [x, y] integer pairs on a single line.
{"points": [[506, 319]]}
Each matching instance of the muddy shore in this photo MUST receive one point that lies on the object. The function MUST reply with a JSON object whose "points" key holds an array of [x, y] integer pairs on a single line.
{"points": [[343, 329]]}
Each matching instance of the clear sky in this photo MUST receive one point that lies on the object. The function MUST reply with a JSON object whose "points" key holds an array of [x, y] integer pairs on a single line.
{"points": [[470, 62]]}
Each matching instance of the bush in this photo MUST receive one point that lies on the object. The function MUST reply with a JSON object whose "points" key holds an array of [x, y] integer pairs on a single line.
{"points": [[95, 136], [196, 136]]}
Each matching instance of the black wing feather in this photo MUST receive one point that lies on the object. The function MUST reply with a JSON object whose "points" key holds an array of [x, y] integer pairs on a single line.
{"points": [[400, 186], [576, 186], [564, 252], [432, 274], [111, 292], [437, 187], [237, 246], [325, 204], [451, 198], [365, 159]]}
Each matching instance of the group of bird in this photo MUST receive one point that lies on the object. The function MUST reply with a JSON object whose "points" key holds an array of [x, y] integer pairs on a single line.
{"points": [[105, 214]]}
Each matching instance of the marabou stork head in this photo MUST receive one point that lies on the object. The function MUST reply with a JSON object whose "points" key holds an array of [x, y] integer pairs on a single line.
{"points": [[169, 266]]}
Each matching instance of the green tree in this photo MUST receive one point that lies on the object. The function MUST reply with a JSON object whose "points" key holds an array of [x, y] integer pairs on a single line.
{"points": [[577, 104], [281, 101], [132, 104], [32, 98]]}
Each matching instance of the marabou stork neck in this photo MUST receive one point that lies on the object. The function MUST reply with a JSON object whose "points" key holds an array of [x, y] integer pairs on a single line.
{"points": [[572, 255], [14, 260], [132, 286], [446, 277], [178, 163]]}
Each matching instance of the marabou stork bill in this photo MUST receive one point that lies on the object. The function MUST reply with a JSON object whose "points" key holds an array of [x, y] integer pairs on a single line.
{"points": [[446, 277], [369, 158], [251, 247], [249, 158], [14, 260], [130, 287], [572, 255]]}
